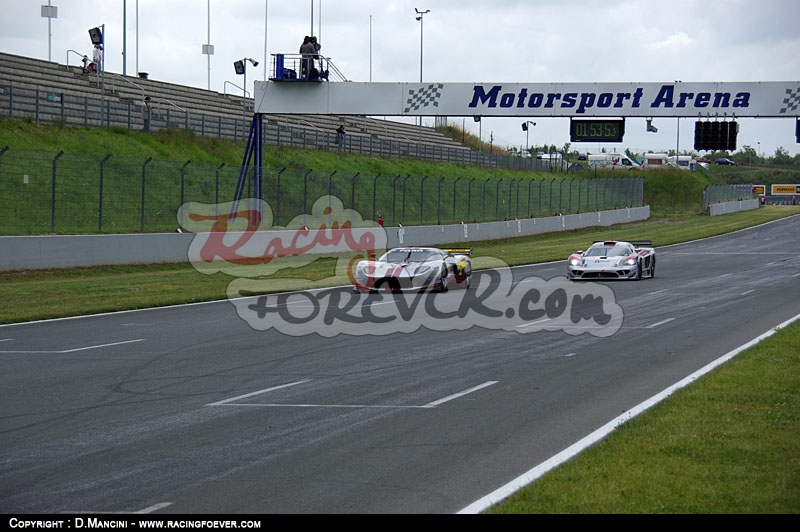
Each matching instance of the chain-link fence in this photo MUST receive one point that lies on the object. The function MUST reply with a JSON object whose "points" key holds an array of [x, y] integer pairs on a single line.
{"points": [[725, 193], [69, 193]]}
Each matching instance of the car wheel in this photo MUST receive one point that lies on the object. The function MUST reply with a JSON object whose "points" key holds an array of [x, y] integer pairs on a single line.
{"points": [[639, 273], [653, 268], [443, 281], [468, 279]]}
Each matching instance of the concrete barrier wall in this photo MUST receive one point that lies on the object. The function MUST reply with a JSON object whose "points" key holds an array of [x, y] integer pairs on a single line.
{"points": [[464, 233], [717, 209], [41, 252]]}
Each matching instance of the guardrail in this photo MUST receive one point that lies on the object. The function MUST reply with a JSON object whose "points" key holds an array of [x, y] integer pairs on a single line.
{"points": [[126, 80], [76, 53]]}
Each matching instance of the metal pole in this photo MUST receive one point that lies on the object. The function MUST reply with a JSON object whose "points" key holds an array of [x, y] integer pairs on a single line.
{"points": [[103, 76], [49, 31], [124, 37], [420, 17], [208, 42], [266, 13], [421, 24], [370, 48], [137, 37]]}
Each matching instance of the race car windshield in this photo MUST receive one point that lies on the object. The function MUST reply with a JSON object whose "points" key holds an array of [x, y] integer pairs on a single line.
{"points": [[616, 251], [406, 256]]}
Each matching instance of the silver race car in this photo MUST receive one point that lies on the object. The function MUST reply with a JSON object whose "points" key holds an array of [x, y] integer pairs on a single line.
{"points": [[613, 259], [415, 269]]}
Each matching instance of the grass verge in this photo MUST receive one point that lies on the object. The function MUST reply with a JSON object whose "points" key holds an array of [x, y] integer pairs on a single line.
{"points": [[725, 445], [41, 294]]}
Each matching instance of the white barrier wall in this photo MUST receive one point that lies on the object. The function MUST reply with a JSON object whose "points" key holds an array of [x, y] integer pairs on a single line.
{"points": [[717, 209], [55, 251]]}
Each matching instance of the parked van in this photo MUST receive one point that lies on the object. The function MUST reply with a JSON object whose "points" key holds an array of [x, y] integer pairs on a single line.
{"points": [[655, 160], [612, 161], [684, 162], [552, 160]]}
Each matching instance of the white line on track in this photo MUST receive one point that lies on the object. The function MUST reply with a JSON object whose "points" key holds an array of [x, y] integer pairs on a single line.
{"points": [[662, 322], [226, 401], [460, 394], [319, 405], [149, 509], [77, 348], [153, 508], [433, 404], [533, 323], [747, 292]]}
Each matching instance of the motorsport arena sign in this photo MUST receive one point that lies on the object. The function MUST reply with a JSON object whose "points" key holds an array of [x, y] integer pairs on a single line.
{"points": [[778, 99]]}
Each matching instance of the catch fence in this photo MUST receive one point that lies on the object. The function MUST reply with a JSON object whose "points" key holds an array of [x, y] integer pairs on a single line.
{"points": [[71, 193]]}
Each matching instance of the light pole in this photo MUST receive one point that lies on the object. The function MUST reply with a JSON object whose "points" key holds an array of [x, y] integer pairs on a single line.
{"points": [[98, 37], [208, 48], [420, 15], [370, 48], [525, 129], [124, 38], [241, 68], [266, 19], [49, 12], [677, 136]]}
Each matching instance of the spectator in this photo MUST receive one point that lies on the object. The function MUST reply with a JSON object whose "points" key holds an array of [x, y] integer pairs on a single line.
{"points": [[316, 72], [97, 57], [97, 60], [308, 50], [340, 133], [147, 114]]}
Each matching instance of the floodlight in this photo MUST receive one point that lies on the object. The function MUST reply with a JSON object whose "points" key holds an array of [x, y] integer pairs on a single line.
{"points": [[96, 35]]}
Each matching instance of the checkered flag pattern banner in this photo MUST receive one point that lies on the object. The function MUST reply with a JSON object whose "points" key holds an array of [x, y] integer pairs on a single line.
{"points": [[792, 101], [424, 97]]}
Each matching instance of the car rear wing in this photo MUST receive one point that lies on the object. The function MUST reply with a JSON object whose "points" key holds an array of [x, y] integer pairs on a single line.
{"points": [[642, 243], [459, 251]]}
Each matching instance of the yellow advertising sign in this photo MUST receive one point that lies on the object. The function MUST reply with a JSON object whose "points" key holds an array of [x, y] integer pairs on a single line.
{"points": [[785, 189], [759, 189]]}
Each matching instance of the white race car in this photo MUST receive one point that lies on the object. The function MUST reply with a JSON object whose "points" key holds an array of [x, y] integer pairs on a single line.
{"points": [[613, 259], [415, 269]]}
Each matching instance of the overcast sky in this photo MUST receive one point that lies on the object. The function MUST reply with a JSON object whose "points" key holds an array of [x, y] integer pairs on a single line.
{"points": [[536, 41]]}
